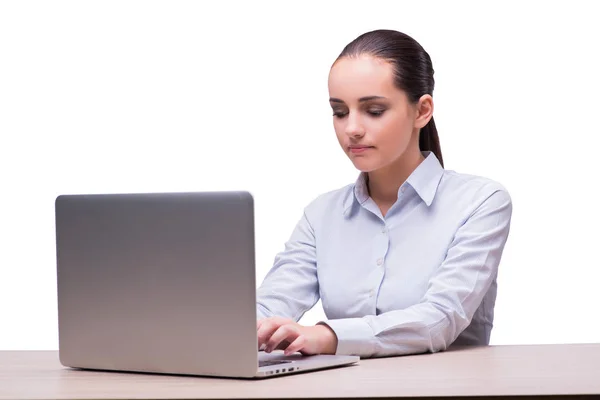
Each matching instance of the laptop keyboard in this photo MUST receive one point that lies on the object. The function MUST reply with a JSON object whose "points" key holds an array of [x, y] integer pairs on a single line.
{"points": [[273, 362]]}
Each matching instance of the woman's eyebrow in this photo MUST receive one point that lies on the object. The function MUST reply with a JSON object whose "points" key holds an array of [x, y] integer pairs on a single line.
{"points": [[367, 98]]}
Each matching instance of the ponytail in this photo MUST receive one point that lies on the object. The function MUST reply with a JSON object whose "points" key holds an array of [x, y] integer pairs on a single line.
{"points": [[430, 141]]}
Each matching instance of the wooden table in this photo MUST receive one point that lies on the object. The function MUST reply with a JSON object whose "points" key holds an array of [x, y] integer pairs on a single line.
{"points": [[539, 370]]}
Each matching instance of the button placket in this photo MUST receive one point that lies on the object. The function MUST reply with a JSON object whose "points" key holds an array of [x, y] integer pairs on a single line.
{"points": [[380, 249]]}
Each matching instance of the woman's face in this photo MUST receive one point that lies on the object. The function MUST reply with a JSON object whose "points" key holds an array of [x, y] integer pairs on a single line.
{"points": [[374, 121]]}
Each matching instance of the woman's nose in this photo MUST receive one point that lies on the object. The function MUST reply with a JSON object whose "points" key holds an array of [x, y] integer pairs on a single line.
{"points": [[354, 127]]}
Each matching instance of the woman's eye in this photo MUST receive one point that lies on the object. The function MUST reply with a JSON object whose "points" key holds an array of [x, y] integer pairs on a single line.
{"points": [[376, 113]]}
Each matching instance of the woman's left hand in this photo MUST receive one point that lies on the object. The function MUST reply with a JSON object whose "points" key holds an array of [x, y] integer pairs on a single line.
{"points": [[278, 333]]}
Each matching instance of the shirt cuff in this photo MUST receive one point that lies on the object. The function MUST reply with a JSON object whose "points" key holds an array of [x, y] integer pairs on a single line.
{"points": [[355, 336]]}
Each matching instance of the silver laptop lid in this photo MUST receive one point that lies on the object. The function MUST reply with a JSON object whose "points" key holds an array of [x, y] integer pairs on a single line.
{"points": [[157, 282]]}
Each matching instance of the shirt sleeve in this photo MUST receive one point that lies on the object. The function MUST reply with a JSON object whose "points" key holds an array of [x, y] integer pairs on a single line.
{"points": [[291, 287], [453, 295]]}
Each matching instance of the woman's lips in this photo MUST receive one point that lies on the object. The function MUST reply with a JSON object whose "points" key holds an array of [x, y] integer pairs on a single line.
{"points": [[360, 149]]}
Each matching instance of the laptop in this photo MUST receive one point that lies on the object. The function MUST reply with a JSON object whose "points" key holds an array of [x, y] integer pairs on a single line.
{"points": [[164, 283]]}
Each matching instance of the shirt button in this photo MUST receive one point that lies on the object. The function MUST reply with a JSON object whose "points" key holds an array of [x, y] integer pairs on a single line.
{"points": [[384, 230], [380, 261], [372, 293], [403, 189]]}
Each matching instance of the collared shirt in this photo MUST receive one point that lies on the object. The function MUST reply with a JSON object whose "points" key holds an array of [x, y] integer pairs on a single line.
{"points": [[417, 280]]}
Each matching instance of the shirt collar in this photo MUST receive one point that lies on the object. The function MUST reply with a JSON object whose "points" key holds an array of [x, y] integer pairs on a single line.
{"points": [[424, 180]]}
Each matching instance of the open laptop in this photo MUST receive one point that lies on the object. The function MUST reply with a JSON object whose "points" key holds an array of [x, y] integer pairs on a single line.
{"points": [[164, 283]]}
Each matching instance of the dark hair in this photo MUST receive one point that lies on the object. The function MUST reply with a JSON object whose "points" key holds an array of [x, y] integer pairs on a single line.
{"points": [[413, 72]]}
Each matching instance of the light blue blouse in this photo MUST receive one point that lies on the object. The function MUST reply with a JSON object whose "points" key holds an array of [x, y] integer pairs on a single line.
{"points": [[417, 280]]}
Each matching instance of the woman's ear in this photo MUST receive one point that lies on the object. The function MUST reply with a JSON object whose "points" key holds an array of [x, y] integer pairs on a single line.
{"points": [[424, 110]]}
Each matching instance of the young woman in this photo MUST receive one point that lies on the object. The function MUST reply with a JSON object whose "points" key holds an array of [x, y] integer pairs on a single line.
{"points": [[405, 259]]}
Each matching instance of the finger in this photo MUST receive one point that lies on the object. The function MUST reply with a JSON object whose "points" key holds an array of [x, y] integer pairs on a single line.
{"points": [[258, 324], [260, 321], [275, 320], [268, 326], [285, 332], [267, 329], [296, 345]]}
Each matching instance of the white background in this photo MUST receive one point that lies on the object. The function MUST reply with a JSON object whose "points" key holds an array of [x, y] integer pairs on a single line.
{"points": [[123, 96]]}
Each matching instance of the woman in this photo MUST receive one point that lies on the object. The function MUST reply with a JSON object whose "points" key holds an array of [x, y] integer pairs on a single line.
{"points": [[405, 259]]}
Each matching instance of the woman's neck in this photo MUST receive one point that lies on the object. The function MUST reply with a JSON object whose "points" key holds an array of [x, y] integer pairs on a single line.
{"points": [[384, 183]]}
